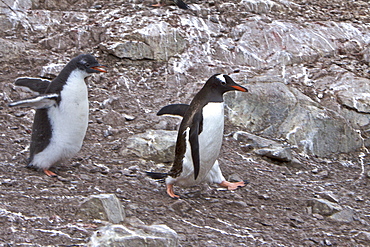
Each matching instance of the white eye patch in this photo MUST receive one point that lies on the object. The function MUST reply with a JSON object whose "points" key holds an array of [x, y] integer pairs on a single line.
{"points": [[221, 78]]}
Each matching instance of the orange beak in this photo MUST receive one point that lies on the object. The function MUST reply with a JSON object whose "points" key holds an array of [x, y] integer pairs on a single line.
{"points": [[100, 68], [240, 88]]}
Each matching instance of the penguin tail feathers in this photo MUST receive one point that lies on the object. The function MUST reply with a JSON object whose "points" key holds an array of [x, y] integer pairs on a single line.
{"points": [[157, 175], [181, 4]]}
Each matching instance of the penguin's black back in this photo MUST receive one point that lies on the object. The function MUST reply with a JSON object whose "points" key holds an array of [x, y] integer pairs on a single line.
{"points": [[41, 132], [212, 91]]}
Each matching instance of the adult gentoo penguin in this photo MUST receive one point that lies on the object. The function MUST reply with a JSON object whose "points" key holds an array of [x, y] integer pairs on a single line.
{"points": [[62, 113], [200, 137], [181, 4]]}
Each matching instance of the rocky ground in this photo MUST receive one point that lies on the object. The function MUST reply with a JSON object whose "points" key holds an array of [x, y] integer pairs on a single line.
{"points": [[276, 208]]}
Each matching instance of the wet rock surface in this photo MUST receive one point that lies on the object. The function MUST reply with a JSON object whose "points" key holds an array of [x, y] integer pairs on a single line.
{"points": [[307, 60]]}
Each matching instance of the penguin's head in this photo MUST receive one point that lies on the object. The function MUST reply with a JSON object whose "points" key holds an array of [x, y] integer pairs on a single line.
{"points": [[224, 83], [88, 63]]}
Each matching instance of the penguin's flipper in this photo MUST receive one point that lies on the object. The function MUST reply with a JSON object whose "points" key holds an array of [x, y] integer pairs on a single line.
{"points": [[38, 102], [194, 142], [174, 109], [181, 4], [37, 85]]}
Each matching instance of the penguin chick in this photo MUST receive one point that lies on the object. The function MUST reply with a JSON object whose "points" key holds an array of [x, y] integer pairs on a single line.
{"points": [[62, 112], [199, 137]]}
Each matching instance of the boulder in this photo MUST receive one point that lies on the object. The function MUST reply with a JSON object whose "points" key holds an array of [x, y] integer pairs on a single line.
{"points": [[329, 195], [254, 141], [144, 236], [10, 50], [105, 207], [156, 145], [156, 41], [275, 110], [12, 14], [134, 50]]}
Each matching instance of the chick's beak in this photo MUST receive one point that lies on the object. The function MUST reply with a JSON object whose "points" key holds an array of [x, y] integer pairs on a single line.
{"points": [[100, 68]]}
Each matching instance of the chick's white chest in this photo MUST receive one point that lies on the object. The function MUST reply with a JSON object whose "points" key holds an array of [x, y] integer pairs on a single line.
{"points": [[69, 119]]}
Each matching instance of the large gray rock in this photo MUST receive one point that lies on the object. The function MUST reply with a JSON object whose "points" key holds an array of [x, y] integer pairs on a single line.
{"points": [[279, 154], [134, 50], [156, 41], [254, 141], [278, 111], [143, 236], [156, 145], [105, 207], [10, 50]]}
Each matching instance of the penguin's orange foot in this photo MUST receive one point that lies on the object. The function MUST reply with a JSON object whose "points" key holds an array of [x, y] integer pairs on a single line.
{"points": [[157, 5], [50, 173], [170, 191], [232, 186]]}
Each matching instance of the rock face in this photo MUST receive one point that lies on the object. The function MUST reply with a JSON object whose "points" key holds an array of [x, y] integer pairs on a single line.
{"points": [[157, 41], [274, 110], [147, 236]]}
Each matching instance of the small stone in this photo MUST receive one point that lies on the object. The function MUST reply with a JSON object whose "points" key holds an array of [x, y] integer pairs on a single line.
{"points": [[329, 195], [318, 216], [264, 197], [344, 216], [246, 148], [324, 207], [279, 154], [315, 171], [296, 163], [327, 242], [19, 114], [141, 235], [234, 178], [323, 174], [129, 117]]}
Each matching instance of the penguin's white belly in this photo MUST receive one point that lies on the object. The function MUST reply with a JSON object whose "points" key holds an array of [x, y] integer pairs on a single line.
{"points": [[69, 122], [210, 141]]}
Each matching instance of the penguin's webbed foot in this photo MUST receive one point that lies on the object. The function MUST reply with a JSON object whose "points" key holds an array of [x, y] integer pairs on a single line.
{"points": [[170, 192], [157, 5], [232, 186], [46, 171], [50, 173]]}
